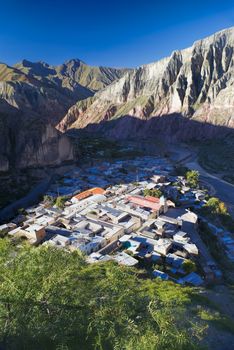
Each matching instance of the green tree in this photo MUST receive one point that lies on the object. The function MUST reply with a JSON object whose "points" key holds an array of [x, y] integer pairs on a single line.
{"points": [[216, 206], [153, 192], [189, 266], [192, 176], [216, 209], [60, 202], [53, 299]]}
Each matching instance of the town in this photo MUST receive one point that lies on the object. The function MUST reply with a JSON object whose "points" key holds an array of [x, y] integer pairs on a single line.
{"points": [[134, 212]]}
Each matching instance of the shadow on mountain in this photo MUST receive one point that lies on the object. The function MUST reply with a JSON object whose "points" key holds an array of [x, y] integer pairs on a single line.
{"points": [[170, 128]]}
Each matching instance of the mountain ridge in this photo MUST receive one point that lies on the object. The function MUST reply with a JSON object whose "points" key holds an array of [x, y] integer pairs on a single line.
{"points": [[34, 96], [196, 82]]}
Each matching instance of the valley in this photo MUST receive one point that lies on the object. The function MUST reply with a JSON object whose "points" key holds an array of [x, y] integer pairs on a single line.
{"points": [[117, 202]]}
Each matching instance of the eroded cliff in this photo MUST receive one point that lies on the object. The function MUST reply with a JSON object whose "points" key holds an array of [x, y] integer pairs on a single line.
{"points": [[195, 84]]}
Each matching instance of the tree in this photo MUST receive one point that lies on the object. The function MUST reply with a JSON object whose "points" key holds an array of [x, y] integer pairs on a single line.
{"points": [[60, 202], [189, 266], [216, 206], [192, 176], [153, 192], [52, 299], [217, 210], [48, 200]]}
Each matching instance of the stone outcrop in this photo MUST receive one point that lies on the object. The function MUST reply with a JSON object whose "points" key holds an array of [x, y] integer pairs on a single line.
{"points": [[26, 141], [195, 84]]}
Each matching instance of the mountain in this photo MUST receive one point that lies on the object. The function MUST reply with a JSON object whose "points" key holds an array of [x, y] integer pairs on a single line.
{"points": [[94, 78], [33, 99], [187, 95], [26, 140], [51, 90]]}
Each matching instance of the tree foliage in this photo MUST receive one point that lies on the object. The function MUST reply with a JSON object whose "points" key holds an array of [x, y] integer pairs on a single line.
{"points": [[215, 206], [153, 192], [48, 200], [192, 176], [189, 266], [52, 299], [60, 202], [217, 210]]}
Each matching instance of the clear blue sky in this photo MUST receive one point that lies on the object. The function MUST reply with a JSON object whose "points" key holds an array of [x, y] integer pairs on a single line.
{"points": [[114, 33]]}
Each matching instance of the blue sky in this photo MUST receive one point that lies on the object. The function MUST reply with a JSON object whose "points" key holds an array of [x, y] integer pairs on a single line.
{"points": [[113, 33]]}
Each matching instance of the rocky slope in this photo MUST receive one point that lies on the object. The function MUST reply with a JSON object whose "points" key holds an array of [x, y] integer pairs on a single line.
{"points": [[189, 94], [26, 140], [51, 90], [33, 99]]}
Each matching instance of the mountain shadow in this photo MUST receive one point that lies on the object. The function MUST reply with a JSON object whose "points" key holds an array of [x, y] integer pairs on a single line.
{"points": [[170, 128]]}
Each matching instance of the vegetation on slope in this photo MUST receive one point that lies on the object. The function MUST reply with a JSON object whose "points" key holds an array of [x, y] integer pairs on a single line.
{"points": [[217, 156], [216, 211], [51, 299]]}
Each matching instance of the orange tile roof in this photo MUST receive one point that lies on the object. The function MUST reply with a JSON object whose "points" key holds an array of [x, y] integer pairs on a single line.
{"points": [[90, 192]]}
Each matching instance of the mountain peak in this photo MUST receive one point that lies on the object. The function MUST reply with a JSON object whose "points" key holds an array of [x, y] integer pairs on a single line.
{"points": [[227, 33], [74, 61], [196, 82]]}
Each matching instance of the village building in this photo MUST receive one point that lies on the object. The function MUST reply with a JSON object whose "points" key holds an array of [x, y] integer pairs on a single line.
{"points": [[158, 178], [5, 228], [90, 227], [59, 241], [155, 205], [112, 215], [124, 259], [192, 278], [159, 274], [175, 261], [162, 246], [152, 228], [88, 193], [34, 233]]}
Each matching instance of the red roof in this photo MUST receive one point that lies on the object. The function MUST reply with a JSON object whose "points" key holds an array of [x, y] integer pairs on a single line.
{"points": [[152, 199], [145, 202]]}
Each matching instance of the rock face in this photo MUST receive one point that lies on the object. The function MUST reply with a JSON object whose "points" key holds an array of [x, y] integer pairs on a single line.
{"points": [[28, 141], [50, 91], [33, 99], [193, 88]]}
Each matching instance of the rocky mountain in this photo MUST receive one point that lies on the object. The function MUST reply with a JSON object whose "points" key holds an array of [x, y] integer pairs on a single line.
{"points": [[51, 90], [33, 99], [187, 95]]}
